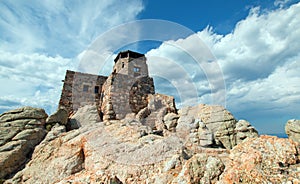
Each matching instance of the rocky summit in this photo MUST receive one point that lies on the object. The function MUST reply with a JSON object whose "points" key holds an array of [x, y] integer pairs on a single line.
{"points": [[199, 144], [116, 129]]}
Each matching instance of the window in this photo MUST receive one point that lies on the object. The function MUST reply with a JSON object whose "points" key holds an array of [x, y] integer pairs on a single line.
{"points": [[85, 88], [136, 69], [96, 89], [123, 64]]}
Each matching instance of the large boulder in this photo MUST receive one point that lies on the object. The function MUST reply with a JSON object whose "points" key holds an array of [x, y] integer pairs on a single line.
{"points": [[266, 159], [97, 151], [201, 168], [292, 129], [60, 117], [55, 158], [170, 121], [84, 116], [217, 122], [205, 135], [23, 113], [124, 151], [20, 131], [244, 130], [158, 107]]}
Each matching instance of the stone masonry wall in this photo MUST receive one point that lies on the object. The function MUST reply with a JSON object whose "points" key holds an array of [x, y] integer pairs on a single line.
{"points": [[133, 67], [81, 89], [124, 91], [139, 92], [123, 94]]}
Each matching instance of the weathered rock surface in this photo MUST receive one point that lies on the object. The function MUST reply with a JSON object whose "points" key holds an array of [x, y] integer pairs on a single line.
{"points": [[20, 131], [113, 152], [217, 122], [54, 159], [99, 149], [205, 136], [127, 151], [60, 116], [153, 115], [201, 168], [85, 116], [170, 120], [116, 153], [292, 129], [244, 130], [266, 159]]}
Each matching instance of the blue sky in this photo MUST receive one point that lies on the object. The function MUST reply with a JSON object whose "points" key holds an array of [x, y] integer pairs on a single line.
{"points": [[245, 53]]}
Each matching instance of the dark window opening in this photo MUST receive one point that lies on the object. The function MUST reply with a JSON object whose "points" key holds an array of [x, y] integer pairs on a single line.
{"points": [[136, 69], [85, 88], [96, 89], [122, 64]]}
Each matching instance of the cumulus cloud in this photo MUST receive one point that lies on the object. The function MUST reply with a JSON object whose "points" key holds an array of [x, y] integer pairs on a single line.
{"points": [[259, 60], [31, 79], [39, 40], [60, 27]]}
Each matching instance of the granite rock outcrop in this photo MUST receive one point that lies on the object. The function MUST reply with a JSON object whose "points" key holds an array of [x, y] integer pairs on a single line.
{"points": [[266, 159], [185, 151], [212, 125], [20, 131], [84, 116], [60, 116], [292, 129]]}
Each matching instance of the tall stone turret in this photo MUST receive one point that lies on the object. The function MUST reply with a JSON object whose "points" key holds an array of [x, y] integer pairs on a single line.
{"points": [[131, 63], [127, 88]]}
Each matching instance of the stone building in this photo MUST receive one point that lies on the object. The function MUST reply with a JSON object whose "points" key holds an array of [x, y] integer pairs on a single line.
{"points": [[124, 91]]}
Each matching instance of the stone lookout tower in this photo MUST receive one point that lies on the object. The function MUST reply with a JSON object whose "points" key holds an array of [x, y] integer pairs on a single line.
{"points": [[124, 91], [131, 63]]}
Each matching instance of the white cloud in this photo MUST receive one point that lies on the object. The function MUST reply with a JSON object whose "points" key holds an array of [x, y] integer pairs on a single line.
{"points": [[190, 64], [283, 3], [39, 40], [60, 27], [32, 79], [260, 61]]}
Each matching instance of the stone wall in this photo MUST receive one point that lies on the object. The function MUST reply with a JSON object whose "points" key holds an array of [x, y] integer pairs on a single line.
{"points": [[123, 94], [133, 67], [139, 92], [124, 91], [81, 89]]}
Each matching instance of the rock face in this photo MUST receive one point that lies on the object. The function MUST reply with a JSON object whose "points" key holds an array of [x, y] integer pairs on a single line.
{"points": [[216, 122], [205, 135], [20, 131], [134, 158], [170, 120], [54, 159], [156, 112], [201, 168], [85, 116], [60, 116], [266, 159], [244, 130], [114, 152], [292, 129], [128, 151]]}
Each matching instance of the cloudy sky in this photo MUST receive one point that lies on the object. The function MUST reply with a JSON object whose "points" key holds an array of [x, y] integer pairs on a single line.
{"points": [[244, 55]]}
